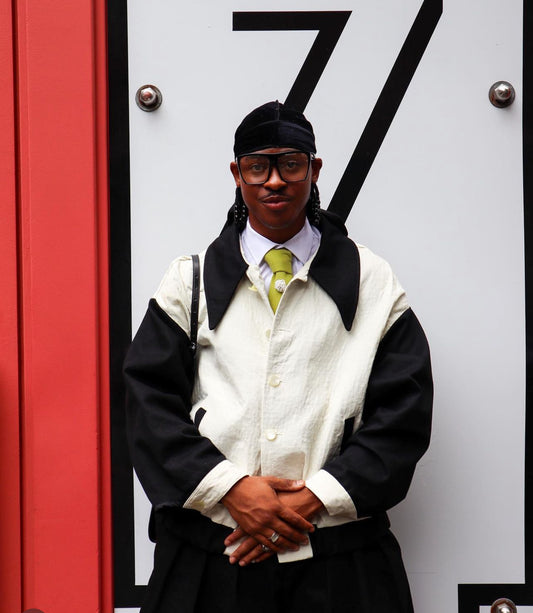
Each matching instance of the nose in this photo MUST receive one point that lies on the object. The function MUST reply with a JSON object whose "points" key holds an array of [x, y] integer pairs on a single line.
{"points": [[274, 181]]}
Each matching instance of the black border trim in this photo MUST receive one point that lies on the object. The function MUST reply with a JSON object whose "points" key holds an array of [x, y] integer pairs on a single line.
{"points": [[527, 131]]}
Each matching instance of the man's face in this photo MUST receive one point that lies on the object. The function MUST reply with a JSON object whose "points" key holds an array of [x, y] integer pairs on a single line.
{"points": [[276, 208]]}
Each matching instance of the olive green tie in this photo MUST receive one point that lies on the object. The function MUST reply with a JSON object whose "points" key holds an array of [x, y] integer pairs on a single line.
{"points": [[280, 262]]}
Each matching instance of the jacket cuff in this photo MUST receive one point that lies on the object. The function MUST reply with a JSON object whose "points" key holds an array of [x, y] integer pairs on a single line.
{"points": [[214, 486], [332, 495]]}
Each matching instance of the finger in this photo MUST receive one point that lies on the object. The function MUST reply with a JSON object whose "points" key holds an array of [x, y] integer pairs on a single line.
{"points": [[237, 534], [263, 532], [256, 555], [243, 549], [279, 545], [262, 557], [262, 525], [295, 520], [288, 539], [285, 485], [283, 544], [290, 531]]}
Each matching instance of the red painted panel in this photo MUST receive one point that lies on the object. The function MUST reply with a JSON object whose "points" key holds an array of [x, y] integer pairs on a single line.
{"points": [[10, 560], [63, 235], [102, 170]]}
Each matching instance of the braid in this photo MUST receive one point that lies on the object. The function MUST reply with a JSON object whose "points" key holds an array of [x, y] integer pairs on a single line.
{"points": [[240, 210], [313, 206]]}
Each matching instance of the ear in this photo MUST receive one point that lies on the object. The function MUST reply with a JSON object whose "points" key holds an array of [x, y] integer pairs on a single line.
{"points": [[235, 172], [316, 165]]}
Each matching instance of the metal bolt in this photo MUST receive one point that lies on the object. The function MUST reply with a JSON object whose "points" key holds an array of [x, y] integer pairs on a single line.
{"points": [[503, 605], [148, 98], [502, 94]]}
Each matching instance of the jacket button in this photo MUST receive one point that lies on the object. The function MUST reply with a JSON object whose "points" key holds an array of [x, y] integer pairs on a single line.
{"points": [[274, 380], [267, 333], [271, 435]]}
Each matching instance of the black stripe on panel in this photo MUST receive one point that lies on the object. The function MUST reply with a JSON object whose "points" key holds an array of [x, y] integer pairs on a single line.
{"points": [[127, 594], [385, 109], [329, 24]]}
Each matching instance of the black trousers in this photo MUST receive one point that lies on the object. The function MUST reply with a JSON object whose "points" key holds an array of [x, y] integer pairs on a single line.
{"points": [[356, 568]]}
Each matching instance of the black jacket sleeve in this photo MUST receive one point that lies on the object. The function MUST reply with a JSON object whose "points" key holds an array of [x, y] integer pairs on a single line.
{"points": [[169, 454], [378, 460]]}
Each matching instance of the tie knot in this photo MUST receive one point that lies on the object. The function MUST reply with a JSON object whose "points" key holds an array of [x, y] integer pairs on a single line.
{"points": [[279, 260]]}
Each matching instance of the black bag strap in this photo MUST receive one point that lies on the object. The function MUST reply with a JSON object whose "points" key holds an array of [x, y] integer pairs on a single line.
{"points": [[195, 301]]}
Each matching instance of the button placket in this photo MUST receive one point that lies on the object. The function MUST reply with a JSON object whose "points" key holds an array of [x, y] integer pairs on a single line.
{"points": [[272, 411]]}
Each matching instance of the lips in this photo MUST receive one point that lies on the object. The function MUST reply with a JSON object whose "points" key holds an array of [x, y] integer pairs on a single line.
{"points": [[275, 201]]}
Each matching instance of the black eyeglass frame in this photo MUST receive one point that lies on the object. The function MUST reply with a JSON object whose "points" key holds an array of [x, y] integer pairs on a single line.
{"points": [[273, 160]]}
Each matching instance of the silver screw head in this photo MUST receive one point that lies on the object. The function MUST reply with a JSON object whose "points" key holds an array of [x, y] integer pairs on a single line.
{"points": [[503, 605], [148, 98], [502, 94]]}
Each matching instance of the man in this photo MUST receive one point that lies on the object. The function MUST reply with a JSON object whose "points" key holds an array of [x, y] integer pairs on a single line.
{"points": [[270, 462]]}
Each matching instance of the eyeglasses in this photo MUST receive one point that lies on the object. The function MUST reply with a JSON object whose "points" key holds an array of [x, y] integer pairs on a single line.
{"points": [[292, 166]]}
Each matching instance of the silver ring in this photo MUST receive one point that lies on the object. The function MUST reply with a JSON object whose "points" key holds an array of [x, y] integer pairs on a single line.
{"points": [[274, 537], [265, 548]]}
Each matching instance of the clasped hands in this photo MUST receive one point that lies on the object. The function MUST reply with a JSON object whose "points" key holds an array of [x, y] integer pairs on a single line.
{"points": [[264, 506]]}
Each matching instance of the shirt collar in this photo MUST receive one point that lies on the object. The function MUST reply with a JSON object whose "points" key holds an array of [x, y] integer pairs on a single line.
{"points": [[255, 245], [335, 267]]}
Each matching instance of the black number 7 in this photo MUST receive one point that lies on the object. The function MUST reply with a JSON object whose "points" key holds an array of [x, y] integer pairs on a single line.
{"points": [[330, 25]]}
